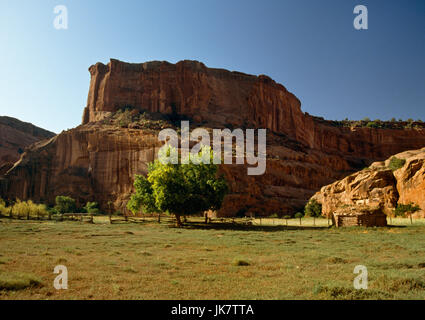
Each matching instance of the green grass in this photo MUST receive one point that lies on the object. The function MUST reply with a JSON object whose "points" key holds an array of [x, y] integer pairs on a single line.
{"points": [[17, 281], [148, 260]]}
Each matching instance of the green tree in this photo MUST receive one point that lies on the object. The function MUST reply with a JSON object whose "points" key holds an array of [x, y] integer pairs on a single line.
{"points": [[299, 215], [403, 209], [65, 204], [313, 209], [179, 189]]}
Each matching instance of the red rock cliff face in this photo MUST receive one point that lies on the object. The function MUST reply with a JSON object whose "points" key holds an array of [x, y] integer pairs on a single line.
{"points": [[220, 98], [15, 136], [97, 161]]}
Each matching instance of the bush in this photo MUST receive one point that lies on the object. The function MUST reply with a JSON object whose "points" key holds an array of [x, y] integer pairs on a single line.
{"points": [[240, 263], [29, 208], [396, 163], [65, 204], [92, 207]]}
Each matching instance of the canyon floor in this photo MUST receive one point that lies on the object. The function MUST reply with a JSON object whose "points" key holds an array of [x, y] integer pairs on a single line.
{"points": [[148, 260]]}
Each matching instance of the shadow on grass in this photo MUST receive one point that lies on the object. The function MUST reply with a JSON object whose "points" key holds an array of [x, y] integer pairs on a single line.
{"points": [[243, 227]]}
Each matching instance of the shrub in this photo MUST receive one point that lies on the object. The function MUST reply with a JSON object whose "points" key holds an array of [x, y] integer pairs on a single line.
{"points": [[65, 204], [124, 118], [396, 163], [240, 263], [92, 207], [29, 208]]}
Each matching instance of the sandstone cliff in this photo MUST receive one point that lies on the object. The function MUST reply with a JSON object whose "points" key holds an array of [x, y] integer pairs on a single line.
{"points": [[15, 136], [97, 160], [220, 98], [379, 186]]}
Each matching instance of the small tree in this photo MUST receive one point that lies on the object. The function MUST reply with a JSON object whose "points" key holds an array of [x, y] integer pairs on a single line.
{"points": [[299, 215], [403, 209], [180, 189], [65, 204], [313, 209]]}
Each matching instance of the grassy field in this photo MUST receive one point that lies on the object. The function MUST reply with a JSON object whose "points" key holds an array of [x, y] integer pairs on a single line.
{"points": [[148, 260]]}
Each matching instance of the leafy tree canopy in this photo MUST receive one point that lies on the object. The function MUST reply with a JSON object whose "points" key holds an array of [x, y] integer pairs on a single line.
{"points": [[313, 209], [187, 188]]}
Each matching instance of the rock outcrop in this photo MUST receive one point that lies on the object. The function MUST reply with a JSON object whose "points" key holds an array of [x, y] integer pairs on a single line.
{"points": [[379, 186], [15, 136], [97, 161]]}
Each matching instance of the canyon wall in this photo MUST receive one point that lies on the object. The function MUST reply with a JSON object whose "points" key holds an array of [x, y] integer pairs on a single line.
{"points": [[15, 136], [97, 161], [220, 98]]}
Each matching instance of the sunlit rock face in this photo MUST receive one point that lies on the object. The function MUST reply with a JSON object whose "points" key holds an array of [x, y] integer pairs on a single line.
{"points": [[97, 161], [379, 186]]}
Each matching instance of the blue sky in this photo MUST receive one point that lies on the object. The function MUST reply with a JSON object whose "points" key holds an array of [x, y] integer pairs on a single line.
{"points": [[309, 46]]}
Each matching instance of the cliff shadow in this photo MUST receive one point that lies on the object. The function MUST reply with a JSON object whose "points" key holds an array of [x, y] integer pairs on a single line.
{"points": [[245, 227]]}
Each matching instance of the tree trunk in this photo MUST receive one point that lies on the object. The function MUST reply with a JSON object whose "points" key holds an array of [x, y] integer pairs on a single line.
{"points": [[411, 221], [159, 218], [314, 221], [178, 221], [206, 218], [300, 221]]}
